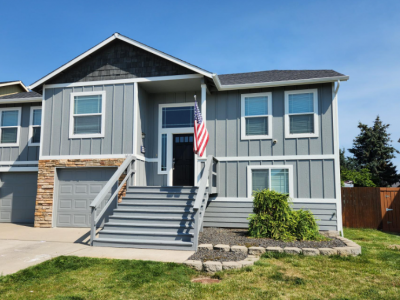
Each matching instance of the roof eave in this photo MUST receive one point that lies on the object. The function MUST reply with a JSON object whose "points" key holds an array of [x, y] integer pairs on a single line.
{"points": [[227, 87], [21, 100], [107, 41]]}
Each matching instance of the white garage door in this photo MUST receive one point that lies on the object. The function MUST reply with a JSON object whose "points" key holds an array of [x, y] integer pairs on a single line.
{"points": [[18, 197], [77, 188]]}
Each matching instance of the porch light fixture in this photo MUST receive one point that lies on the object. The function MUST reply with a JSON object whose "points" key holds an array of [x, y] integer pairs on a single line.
{"points": [[143, 135]]}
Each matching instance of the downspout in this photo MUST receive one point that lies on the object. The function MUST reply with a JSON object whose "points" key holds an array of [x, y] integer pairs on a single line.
{"points": [[337, 159]]}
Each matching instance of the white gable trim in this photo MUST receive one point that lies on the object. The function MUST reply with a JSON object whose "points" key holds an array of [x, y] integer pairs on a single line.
{"points": [[14, 82], [129, 41]]}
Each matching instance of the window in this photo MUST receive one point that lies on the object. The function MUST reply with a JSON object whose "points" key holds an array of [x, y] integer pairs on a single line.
{"points": [[177, 117], [10, 120], [87, 115], [256, 116], [276, 178], [35, 122], [301, 113], [164, 152]]}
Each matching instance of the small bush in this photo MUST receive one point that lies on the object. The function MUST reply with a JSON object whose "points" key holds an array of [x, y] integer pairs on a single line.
{"points": [[274, 218]]}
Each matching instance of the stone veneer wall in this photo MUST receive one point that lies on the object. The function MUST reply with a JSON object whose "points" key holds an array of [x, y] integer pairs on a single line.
{"points": [[45, 184]]}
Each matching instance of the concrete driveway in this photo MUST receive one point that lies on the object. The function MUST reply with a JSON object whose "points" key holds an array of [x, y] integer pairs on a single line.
{"points": [[22, 246]]}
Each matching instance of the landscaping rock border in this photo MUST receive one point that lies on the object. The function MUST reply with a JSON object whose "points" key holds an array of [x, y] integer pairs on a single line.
{"points": [[351, 249]]}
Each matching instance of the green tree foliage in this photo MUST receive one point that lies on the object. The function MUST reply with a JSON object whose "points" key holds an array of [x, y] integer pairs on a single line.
{"points": [[372, 149], [274, 218], [362, 178]]}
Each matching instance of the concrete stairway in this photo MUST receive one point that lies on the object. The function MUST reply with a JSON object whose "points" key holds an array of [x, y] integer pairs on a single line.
{"points": [[152, 217]]}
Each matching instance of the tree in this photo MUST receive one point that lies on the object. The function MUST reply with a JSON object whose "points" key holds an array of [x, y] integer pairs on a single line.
{"points": [[361, 178], [372, 149], [348, 163]]}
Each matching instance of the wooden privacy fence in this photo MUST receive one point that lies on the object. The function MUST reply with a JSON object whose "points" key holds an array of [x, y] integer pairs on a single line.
{"points": [[378, 208]]}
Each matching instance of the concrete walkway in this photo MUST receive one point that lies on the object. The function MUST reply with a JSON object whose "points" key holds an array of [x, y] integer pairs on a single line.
{"points": [[22, 246]]}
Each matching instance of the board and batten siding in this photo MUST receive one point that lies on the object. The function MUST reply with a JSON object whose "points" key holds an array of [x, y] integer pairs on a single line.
{"points": [[223, 125], [23, 152], [234, 214], [119, 116]]}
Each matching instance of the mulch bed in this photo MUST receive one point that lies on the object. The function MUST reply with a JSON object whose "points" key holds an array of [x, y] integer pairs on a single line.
{"points": [[217, 255], [239, 237]]}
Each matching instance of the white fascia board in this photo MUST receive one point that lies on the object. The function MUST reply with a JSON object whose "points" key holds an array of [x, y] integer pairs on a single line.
{"points": [[122, 81], [18, 169], [21, 100], [129, 41], [19, 162], [221, 87], [271, 158], [14, 82], [293, 200]]}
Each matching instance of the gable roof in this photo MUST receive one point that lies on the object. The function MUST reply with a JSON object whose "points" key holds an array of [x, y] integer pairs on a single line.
{"points": [[118, 36], [6, 83]]}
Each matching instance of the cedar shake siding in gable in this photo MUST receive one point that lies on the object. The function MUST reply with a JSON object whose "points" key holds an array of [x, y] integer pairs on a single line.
{"points": [[119, 60]]}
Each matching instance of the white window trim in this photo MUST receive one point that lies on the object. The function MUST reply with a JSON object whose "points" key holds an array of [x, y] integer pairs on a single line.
{"points": [[102, 114], [250, 168], [170, 133], [243, 117], [31, 126], [316, 110], [18, 126]]}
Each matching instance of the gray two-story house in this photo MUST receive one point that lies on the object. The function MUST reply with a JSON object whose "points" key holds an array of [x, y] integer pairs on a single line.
{"points": [[117, 122]]}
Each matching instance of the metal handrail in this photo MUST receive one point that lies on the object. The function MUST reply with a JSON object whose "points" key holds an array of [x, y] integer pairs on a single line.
{"points": [[203, 195], [125, 166]]}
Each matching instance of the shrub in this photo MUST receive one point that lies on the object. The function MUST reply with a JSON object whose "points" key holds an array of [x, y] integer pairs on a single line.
{"points": [[274, 218]]}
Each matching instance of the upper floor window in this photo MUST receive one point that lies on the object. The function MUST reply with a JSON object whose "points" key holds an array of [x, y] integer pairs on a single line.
{"points": [[87, 115], [275, 178], [301, 113], [256, 116], [35, 122], [10, 121]]}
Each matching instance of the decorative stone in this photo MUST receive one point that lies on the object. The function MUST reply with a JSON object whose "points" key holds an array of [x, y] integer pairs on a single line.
{"points": [[230, 265], [327, 251], [194, 264], [205, 246], [330, 233], [292, 250], [258, 251], [221, 247], [246, 263], [355, 250], [343, 251], [242, 249], [252, 258], [310, 252], [275, 249], [394, 247], [212, 266]]}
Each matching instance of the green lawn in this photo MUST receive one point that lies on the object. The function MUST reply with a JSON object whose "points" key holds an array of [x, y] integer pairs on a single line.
{"points": [[373, 275]]}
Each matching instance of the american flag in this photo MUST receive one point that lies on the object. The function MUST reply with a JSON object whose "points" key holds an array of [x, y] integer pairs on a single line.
{"points": [[200, 132]]}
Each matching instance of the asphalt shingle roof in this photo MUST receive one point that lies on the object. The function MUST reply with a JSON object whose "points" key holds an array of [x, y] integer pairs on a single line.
{"points": [[275, 75], [22, 95]]}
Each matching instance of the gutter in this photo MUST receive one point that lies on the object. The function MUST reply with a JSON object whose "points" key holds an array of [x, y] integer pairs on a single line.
{"points": [[221, 87], [20, 100]]}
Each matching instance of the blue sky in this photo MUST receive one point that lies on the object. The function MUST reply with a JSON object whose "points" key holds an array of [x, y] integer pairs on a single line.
{"points": [[357, 38]]}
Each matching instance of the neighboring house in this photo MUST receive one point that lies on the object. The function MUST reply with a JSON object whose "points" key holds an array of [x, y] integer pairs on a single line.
{"points": [[12, 87], [271, 129], [20, 119]]}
